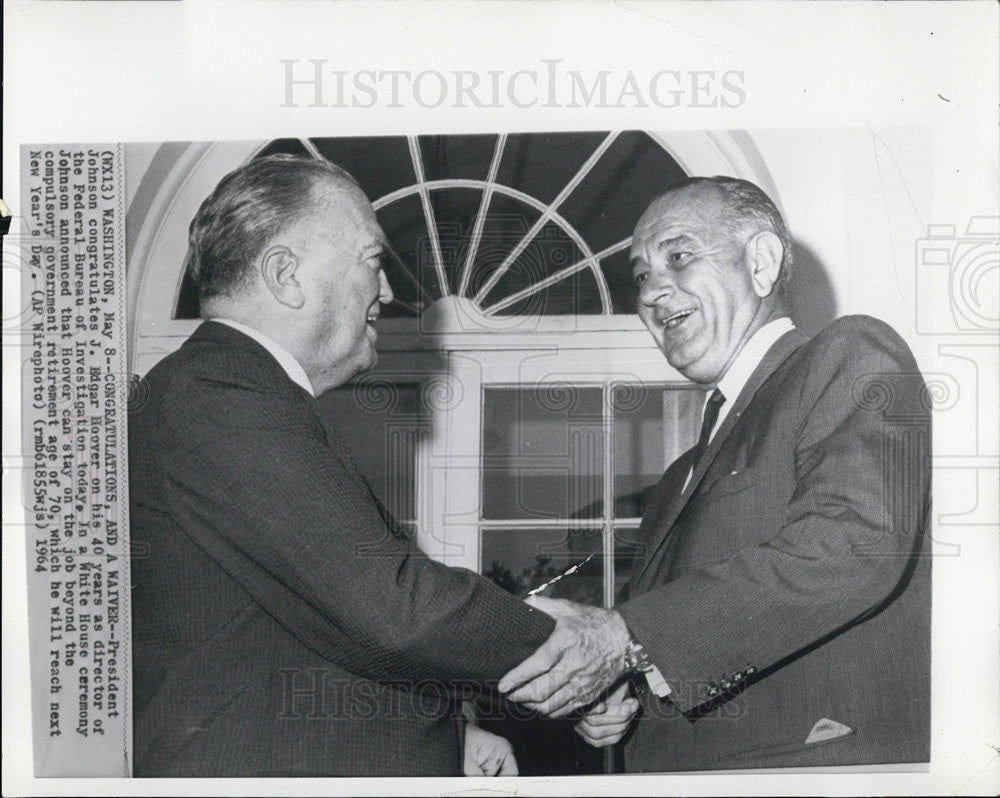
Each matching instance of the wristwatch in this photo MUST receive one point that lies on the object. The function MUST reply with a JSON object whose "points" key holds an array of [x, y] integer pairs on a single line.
{"points": [[638, 661], [636, 658]]}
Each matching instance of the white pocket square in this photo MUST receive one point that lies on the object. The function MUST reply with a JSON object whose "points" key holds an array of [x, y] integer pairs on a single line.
{"points": [[826, 729]]}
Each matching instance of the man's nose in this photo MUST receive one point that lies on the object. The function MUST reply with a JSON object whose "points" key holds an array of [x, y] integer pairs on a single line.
{"points": [[658, 285], [385, 294]]}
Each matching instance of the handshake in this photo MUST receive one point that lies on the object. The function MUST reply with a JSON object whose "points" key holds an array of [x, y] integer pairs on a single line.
{"points": [[578, 669]]}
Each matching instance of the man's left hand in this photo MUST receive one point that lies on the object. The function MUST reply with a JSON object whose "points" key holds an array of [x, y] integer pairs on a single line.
{"points": [[487, 754], [582, 658], [609, 720]]}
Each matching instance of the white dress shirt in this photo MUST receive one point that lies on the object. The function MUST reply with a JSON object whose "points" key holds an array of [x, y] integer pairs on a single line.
{"points": [[285, 359], [735, 379]]}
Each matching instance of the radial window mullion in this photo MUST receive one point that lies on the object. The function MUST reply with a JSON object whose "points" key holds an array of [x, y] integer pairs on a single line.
{"points": [[547, 214], [425, 201], [477, 230]]}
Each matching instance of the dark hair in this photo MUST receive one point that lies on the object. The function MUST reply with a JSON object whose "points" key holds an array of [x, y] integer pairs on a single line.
{"points": [[248, 208], [747, 207]]}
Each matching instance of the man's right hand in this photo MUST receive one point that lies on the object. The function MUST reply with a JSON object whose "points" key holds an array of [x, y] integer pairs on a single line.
{"points": [[582, 658], [606, 723]]}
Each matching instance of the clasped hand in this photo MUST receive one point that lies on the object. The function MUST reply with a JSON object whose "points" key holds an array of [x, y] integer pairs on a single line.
{"points": [[487, 754], [581, 659], [606, 723]]}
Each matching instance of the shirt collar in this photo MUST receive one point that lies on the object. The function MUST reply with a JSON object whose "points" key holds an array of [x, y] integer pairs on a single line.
{"points": [[285, 359], [733, 381]]}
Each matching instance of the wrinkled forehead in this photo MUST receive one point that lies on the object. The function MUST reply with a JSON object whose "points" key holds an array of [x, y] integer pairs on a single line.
{"points": [[692, 210], [342, 208], [338, 195]]}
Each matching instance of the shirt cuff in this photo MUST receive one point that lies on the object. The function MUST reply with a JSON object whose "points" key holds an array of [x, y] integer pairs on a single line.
{"points": [[656, 682]]}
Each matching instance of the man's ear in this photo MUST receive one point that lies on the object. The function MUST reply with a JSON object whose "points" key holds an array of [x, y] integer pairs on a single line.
{"points": [[278, 267], [764, 253]]}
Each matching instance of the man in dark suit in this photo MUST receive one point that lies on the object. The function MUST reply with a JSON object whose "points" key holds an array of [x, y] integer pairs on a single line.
{"points": [[283, 624], [780, 614]]}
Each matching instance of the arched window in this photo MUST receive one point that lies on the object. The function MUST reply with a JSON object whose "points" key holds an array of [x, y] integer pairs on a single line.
{"points": [[533, 224]]}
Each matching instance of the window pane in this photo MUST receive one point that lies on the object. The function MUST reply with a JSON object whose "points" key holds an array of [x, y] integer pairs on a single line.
{"points": [[541, 164], [381, 424], [522, 559], [457, 156], [652, 427], [618, 275], [455, 211], [543, 452]]}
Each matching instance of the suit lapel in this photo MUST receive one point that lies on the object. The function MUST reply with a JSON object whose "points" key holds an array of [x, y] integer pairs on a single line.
{"points": [[672, 507]]}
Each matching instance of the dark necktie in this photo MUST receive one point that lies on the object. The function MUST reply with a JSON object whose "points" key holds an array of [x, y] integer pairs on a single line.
{"points": [[715, 403]]}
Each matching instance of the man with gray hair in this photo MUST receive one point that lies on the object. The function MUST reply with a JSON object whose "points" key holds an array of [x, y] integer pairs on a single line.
{"points": [[780, 613], [283, 623]]}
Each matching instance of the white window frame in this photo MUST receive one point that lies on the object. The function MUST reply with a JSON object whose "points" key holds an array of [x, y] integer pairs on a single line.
{"points": [[449, 467]]}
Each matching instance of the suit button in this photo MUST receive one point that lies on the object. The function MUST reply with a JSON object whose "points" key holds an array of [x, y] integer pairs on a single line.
{"points": [[737, 677], [751, 670], [713, 691], [726, 684]]}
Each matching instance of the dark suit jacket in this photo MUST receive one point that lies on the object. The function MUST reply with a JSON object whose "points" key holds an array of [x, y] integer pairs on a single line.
{"points": [[788, 584], [282, 625]]}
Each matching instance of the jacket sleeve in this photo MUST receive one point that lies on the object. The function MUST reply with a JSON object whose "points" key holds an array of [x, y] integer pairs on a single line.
{"points": [[251, 479], [851, 530]]}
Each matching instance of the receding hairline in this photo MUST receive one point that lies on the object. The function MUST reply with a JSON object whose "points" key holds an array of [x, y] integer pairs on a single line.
{"points": [[657, 207], [333, 188], [332, 193], [706, 187], [727, 209], [335, 180]]}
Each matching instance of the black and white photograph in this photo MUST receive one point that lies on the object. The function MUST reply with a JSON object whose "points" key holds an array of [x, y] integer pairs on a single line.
{"points": [[461, 420]]}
